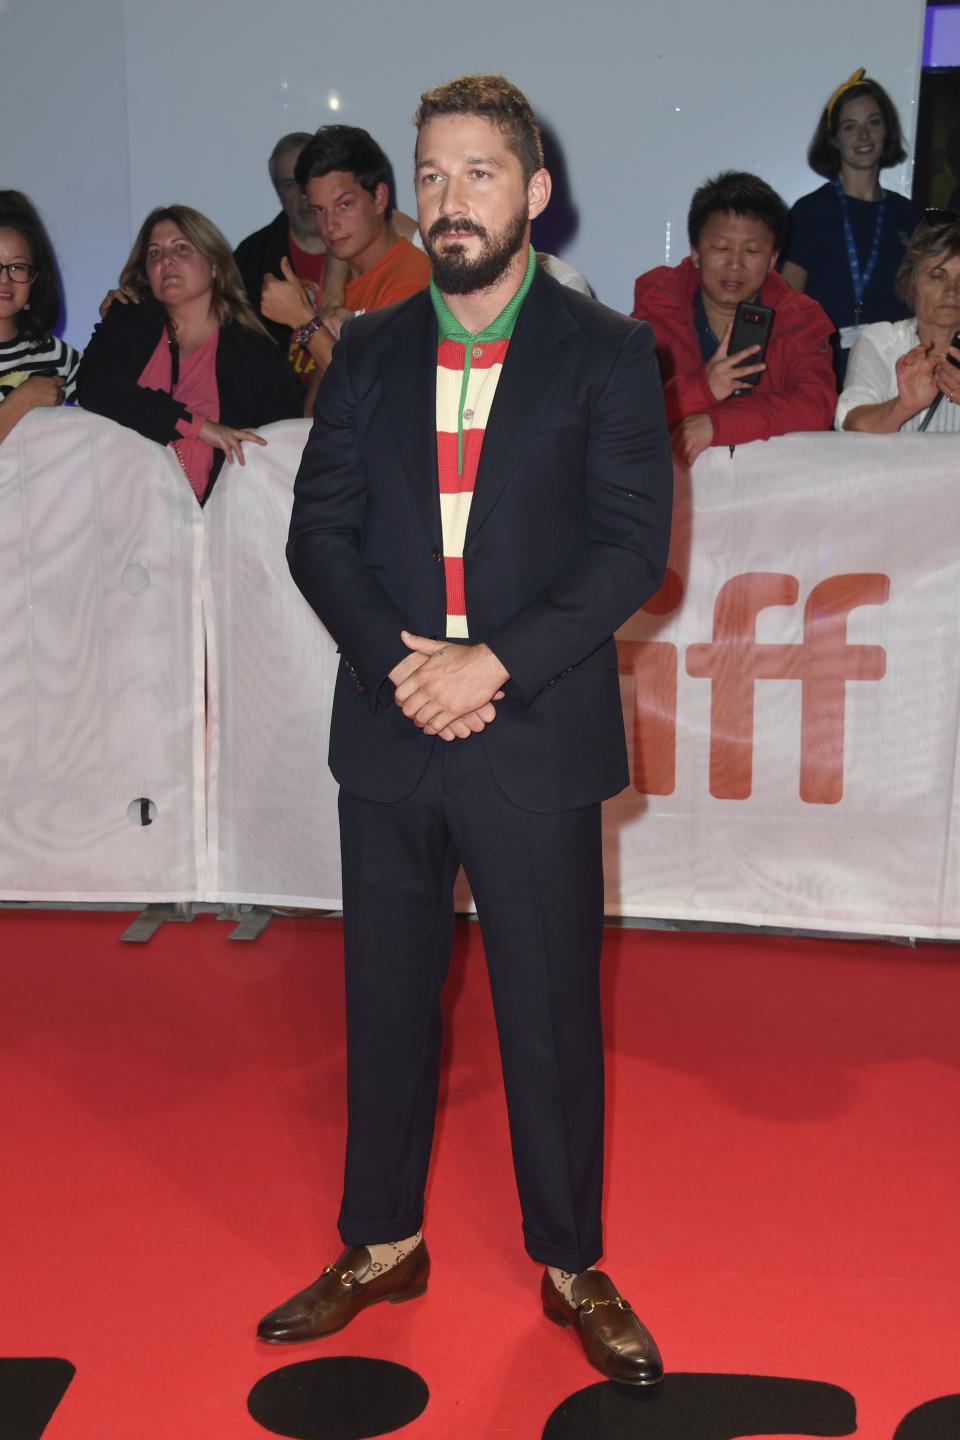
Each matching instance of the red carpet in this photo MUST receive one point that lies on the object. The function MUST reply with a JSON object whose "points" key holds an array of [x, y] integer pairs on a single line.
{"points": [[783, 1183]]}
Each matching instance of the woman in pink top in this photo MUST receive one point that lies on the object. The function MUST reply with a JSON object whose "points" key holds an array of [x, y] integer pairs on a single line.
{"points": [[190, 365]]}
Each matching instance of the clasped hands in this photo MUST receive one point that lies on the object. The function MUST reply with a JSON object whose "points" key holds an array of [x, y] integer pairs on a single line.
{"points": [[448, 690]]}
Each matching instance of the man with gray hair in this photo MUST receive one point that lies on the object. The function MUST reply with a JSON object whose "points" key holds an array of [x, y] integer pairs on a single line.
{"points": [[292, 236]]}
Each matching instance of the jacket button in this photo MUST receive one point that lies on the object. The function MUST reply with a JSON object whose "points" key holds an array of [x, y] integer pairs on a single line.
{"points": [[437, 556]]}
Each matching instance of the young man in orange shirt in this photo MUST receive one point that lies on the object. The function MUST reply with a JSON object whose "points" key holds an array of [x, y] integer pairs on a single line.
{"points": [[345, 176]]}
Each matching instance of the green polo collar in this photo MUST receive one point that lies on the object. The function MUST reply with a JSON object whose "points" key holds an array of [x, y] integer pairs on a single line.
{"points": [[499, 329], [449, 328]]}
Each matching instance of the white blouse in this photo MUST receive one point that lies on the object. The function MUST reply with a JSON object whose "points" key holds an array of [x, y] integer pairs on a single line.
{"points": [[872, 376]]}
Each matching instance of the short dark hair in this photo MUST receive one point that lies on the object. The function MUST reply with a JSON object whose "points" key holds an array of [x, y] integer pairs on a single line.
{"points": [[734, 192], [348, 148], [931, 238], [822, 153], [294, 141], [493, 98], [18, 213]]}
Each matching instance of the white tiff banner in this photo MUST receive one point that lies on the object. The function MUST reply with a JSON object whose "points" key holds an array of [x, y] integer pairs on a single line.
{"points": [[791, 695]]}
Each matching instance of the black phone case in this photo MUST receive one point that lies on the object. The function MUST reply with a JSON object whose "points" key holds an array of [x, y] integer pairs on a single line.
{"points": [[752, 324]]}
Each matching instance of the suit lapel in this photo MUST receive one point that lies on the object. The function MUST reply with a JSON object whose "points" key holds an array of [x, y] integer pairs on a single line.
{"points": [[535, 361], [408, 371]]}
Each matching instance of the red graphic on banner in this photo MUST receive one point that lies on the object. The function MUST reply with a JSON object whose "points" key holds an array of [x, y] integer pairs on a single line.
{"points": [[734, 661], [653, 664]]}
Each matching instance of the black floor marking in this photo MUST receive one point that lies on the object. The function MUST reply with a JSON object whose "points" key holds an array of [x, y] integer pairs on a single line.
{"points": [[30, 1391], [705, 1407], [936, 1420], [342, 1397]]}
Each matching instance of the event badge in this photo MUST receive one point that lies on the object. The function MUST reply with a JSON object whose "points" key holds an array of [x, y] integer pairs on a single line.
{"points": [[849, 334]]}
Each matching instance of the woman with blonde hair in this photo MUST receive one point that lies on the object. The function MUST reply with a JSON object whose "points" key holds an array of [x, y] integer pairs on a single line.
{"points": [[190, 366], [905, 374]]}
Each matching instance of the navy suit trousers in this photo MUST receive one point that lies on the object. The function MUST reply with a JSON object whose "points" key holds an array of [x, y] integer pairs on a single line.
{"points": [[538, 884]]}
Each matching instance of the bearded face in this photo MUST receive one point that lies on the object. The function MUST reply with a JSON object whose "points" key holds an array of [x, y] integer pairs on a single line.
{"points": [[455, 270]]}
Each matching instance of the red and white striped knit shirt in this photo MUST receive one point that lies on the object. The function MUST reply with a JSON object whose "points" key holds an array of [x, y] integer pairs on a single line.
{"points": [[456, 489], [468, 372]]}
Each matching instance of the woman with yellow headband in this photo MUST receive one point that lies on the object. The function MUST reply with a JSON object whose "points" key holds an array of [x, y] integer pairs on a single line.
{"points": [[847, 238]]}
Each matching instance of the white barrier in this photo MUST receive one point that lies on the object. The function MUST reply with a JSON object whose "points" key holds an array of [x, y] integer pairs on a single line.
{"points": [[816, 665], [273, 801], [795, 723], [101, 666]]}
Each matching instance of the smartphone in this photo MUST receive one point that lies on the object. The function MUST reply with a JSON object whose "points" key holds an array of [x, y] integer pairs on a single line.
{"points": [[935, 404], [751, 326]]}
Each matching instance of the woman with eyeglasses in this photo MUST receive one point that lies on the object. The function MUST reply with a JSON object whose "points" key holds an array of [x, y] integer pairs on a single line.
{"points": [[903, 374], [190, 366], [848, 238], [36, 369]]}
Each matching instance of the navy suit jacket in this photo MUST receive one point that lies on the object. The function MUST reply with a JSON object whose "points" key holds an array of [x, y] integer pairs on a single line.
{"points": [[567, 536]]}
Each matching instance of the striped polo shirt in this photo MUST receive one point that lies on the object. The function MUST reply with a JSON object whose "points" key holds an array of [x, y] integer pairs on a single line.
{"points": [[468, 371]]}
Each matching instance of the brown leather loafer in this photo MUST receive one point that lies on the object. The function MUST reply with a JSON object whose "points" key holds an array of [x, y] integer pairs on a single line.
{"points": [[613, 1339], [332, 1301]]}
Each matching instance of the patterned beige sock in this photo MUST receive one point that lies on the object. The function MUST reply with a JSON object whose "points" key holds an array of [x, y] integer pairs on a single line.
{"points": [[563, 1279], [384, 1257]]}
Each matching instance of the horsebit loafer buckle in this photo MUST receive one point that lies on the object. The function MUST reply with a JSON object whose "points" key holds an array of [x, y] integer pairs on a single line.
{"points": [[587, 1307], [347, 1278]]}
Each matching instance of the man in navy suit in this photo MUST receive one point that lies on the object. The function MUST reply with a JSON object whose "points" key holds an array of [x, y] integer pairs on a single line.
{"points": [[484, 498]]}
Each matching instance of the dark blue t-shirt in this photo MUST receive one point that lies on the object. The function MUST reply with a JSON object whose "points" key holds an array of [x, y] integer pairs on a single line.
{"points": [[818, 245]]}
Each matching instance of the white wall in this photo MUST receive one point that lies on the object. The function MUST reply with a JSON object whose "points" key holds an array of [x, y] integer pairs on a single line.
{"points": [[63, 118], [134, 104]]}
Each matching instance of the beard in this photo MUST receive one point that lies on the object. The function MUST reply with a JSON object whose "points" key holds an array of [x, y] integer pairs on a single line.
{"points": [[454, 272]]}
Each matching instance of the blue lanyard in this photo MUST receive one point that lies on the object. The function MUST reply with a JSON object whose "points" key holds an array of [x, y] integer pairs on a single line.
{"points": [[860, 282]]}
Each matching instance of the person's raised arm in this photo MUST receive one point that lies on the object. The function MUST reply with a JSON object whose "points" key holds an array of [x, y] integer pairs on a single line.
{"points": [[866, 404], [805, 401]]}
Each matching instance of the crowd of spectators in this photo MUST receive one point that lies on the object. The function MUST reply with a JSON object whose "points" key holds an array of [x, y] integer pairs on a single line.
{"points": [[198, 347]]}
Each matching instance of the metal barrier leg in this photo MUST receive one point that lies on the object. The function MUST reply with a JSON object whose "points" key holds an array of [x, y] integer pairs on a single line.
{"points": [[250, 921], [148, 922]]}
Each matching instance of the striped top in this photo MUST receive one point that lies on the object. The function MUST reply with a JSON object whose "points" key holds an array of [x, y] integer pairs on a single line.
{"points": [[456, 484], [468, 372], [22, 357]]}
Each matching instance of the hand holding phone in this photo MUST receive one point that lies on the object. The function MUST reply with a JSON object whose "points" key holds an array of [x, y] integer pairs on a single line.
{"points": [[947, 385], [739, 362], [751, 328]]}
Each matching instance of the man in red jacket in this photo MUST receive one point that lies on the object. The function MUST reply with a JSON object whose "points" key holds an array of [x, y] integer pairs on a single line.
{"points": [[736, 225]]}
